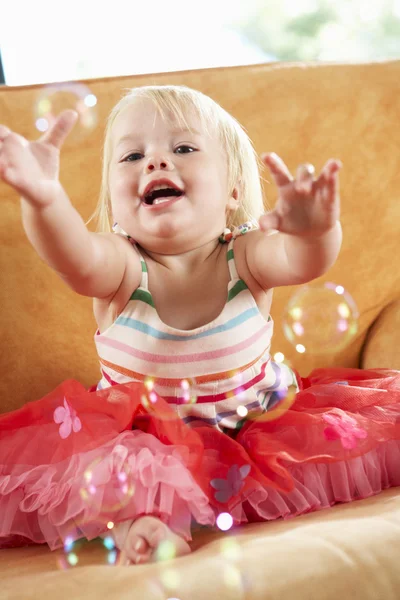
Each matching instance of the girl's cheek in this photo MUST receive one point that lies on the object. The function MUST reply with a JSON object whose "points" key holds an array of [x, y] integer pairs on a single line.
{"points": [[122, 185]]}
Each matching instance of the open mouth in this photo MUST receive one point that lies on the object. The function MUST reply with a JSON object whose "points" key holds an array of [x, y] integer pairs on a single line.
{"points": [[161, 194]]}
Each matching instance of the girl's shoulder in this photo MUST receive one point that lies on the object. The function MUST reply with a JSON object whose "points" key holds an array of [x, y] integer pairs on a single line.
{"points": [[262, 297], [107, 309]]}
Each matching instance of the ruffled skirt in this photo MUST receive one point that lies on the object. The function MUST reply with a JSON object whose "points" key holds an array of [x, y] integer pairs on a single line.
{"points": [[76, 463]]}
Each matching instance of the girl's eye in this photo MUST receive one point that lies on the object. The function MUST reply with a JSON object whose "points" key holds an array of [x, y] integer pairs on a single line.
{"points": [[184, 149], [133, 156]]}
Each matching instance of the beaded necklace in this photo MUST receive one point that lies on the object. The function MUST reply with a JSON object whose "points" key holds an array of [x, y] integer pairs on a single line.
{"points": [[224, 238], [228, 235]]}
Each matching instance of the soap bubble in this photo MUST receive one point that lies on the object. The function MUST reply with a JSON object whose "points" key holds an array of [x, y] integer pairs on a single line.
{"points": [[275, 401], [55, 98], [242, 411], [279, 403], [273, 406], [166, 550], [107, 484], [183, 393], [170, 579], [234, 579], [231, 570], [81, 552], [186, 392], [320, 319], [230, 549], [224, 521]]}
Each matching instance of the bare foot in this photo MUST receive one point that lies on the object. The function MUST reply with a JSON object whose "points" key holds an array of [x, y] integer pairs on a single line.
{"points": [[149, 539]]}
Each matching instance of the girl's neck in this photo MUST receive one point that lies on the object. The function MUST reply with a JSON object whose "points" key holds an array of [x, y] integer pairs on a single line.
{"points": [[188, 262]]}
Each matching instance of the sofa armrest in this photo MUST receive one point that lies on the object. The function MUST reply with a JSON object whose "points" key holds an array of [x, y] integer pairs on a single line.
{"points": [[382, 344]]}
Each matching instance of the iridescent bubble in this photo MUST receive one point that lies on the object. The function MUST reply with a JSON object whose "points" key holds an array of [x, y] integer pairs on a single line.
{"points": [[149, 397], [81, 552], [242, 411], [279, 357], [170, 579], [320, 319], [239, 391], [237, 377], [107, 492], [224, 521], [234, 579], [166, 550], [148, 384], [155, 405], [186, 392], [283, 398], [230, 549], [276, 403], [55, 98]]}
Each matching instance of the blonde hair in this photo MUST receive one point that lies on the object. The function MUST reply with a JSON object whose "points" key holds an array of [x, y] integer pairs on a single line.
{"points": [[243, 162]]}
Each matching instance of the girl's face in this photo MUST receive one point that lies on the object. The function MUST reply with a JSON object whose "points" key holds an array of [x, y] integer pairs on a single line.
{"points": [[151, 152]]}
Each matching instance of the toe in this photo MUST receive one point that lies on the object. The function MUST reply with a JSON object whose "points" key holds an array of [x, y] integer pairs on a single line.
{"points": [[138, 549], [123, 560], [157, 536], [143, 558], [139, 545]]}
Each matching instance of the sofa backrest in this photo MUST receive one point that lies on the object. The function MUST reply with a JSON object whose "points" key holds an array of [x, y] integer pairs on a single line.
{"points": [[304, 113]]}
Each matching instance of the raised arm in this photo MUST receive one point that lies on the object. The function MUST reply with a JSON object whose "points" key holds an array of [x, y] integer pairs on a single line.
{"points": [[301, 238], [91, 264]]}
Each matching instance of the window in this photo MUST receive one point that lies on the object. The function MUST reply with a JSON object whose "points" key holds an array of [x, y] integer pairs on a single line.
{"points": [[87, 39]]}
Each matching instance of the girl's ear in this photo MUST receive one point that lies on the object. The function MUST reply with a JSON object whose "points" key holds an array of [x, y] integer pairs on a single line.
{"points": [[234, 200]]}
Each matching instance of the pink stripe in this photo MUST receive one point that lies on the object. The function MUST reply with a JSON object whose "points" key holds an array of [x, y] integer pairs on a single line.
{"points": [[212, 398], [224, 395], [182, 358]]}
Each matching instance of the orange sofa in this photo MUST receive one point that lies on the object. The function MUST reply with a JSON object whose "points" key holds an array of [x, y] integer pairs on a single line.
{"points": [[304, 112]]}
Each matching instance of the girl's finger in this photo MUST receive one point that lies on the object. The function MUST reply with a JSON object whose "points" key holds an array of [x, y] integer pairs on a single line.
{"points": [[4, 131], [331, 167], [14, 141], [278, 168], [57, 134], [123, 559], [305, 171], [304, 178], [269, 221], [333, 185], [327, 190]]}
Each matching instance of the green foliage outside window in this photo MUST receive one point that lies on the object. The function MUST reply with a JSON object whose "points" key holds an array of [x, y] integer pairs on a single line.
{"points": [[323, 30]]}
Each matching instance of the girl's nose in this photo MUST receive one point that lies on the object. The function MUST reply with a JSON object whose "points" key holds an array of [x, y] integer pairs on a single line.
{"points": [[154, 164]]}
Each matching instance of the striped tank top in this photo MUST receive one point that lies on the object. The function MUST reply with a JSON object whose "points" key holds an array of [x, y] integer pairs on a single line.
{"points": [[220, 373]]}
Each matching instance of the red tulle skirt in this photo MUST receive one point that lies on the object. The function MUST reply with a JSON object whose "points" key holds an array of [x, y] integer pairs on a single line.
{"points": [[75, 461]]}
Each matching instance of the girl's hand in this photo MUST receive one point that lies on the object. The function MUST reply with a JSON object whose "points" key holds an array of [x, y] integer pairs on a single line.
{"points": [[32, 168], [306, 206]]}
